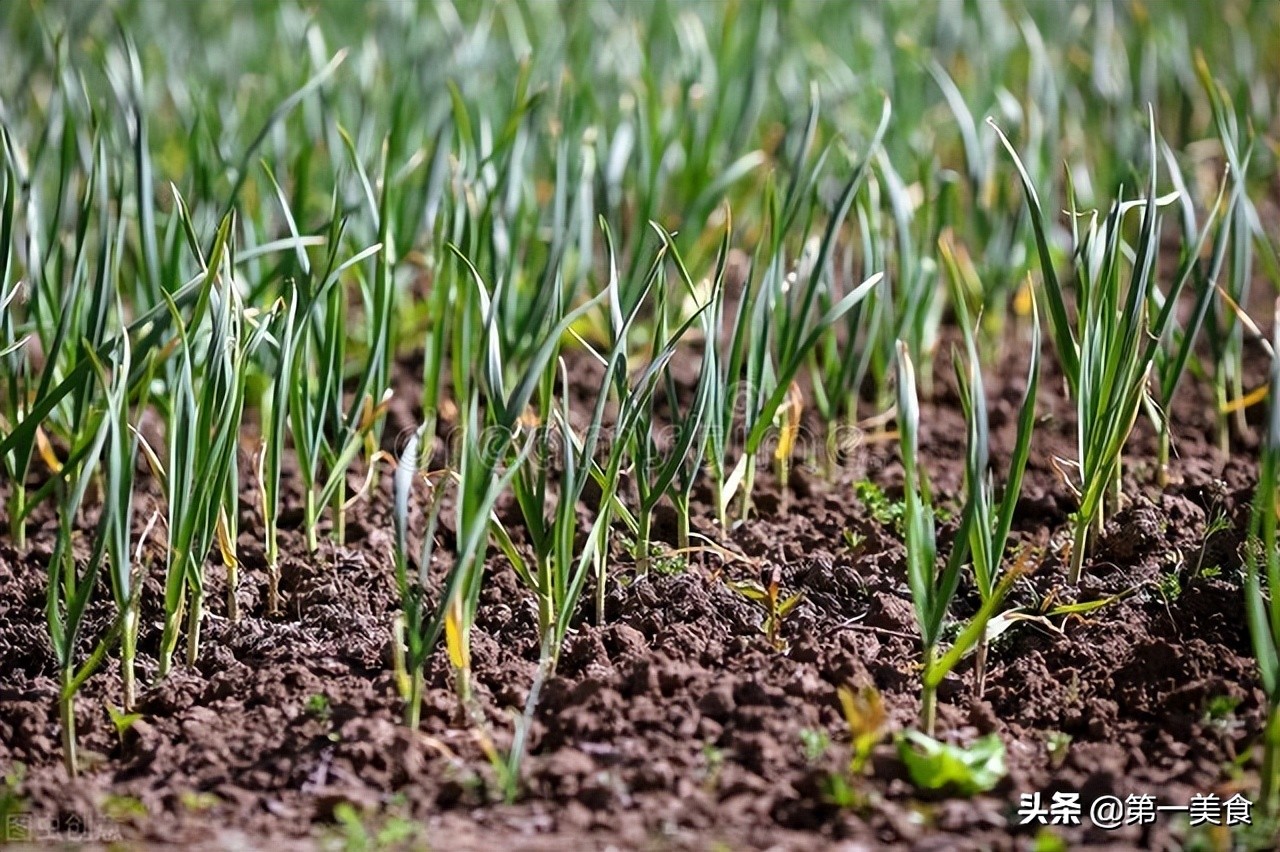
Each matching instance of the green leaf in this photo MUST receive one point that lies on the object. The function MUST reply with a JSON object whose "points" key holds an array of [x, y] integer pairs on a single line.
{"points": [[121, 720], [943, 767], [1063, 335], [784, 608], [750, 589]]}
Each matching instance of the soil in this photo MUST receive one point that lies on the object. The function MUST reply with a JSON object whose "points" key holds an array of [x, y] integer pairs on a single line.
{"points": [[676, 725]]}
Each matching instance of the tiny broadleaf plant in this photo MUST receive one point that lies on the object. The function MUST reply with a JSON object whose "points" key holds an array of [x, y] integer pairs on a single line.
{"points": [[768, 595], [1262, 570], [991, 518], [1107, 357], [866, 719], [969, 771]]}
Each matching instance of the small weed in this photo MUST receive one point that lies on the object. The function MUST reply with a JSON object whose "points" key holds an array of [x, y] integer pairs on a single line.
{"points": [[198, 801], [317, 707], [885, 511], [768, 594], [1073, 690], [1221, 706], [815, 743], [1170, 586], [1217, 523], [935, 765], [866, 718], [1057, 743], [122, 721], [713, 758], [667, 564], [364, 832], [839, 791], [1220, 713], [855, 541], [1048, 840], [658, 558], [12, 804], [124, 808]]}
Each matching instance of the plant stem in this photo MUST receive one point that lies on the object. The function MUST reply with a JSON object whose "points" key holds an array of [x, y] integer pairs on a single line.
{"points": [[1162, 458], [169, 638], [980, 667], [1078, 544], [233, 582], [602, 575], [748, 485], [682, 522], [413, 704], [17, 519], [644, 519], [310, 520], [1223, 423], [128, 651], [273, 585], [339, 516], [1241, 415], [784, 483], [1117, 487], [835, 434], [928, 699], [1270, 760], [193, 627], [462, 678], [67, 716], [722, 510], [546, 605]]}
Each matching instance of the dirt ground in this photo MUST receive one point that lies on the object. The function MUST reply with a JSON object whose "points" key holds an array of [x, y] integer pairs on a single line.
{"points": [[676, 725]]}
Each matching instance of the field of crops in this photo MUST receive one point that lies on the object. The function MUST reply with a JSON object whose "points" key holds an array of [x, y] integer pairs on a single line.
{"points": [[665, 425]]}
